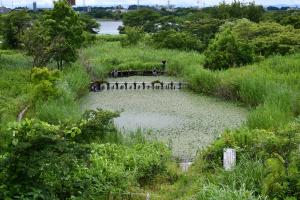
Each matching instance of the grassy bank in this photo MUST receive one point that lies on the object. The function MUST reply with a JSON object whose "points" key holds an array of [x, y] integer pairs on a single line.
{"points": [[105, 56], [17, 91], [14, 84]]}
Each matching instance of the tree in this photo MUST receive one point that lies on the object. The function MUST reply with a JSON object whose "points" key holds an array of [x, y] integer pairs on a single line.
{"points": [[65, 31], [205, 29], [254, 13], [37, 44], [12, 28], [268, 38], [145, 18]]}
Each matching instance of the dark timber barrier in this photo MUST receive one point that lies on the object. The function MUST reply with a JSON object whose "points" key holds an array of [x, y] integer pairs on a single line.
{"points": [[115, 85], [127, 73]]}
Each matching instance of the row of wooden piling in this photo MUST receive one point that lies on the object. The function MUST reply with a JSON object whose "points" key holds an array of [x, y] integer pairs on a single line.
{"points": [[100, 86]]}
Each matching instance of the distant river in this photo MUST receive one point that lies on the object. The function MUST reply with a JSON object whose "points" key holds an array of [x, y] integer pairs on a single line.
{"points": [[184, 120], [109, 27]]}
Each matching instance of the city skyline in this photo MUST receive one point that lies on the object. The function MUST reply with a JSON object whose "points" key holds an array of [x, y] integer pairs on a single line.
{"points": [[184, 3]]}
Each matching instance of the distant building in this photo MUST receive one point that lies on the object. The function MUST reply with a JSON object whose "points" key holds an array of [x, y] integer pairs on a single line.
{"points": [[34, 7], [89, 9], [72, 2], [4, 10], [293, 8]]}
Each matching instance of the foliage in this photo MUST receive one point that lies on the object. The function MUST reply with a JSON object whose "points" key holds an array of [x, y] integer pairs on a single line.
{"points": [[56, 37], [133, 36], [277, 149], [89, 23], [46, 162], [239, 10], [268, 38], [12, 27], [145, 18], [227, 51], [284, 18], [65, 32], [37, 42], [236, 44], [205, 28], [98, 125], [44, 81], [176, 40]]}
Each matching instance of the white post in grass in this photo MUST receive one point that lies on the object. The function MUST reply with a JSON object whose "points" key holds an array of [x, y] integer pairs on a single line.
{"points": [[148, 196], [229, 159]]}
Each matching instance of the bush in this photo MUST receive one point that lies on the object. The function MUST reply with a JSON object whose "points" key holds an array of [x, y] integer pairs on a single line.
{"points": [[46, 162], [268, 38], [45, 83], [276, 163], [227, 51], [133, 36], [172, 39]]}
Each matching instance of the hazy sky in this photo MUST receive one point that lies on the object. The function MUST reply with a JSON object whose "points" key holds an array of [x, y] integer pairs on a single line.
{"points": [[47, 3]]}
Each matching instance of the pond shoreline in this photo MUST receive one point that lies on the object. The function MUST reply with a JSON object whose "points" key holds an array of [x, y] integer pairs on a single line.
{"points": [[182, 119]]}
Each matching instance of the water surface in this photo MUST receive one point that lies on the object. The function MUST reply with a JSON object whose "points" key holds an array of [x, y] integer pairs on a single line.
{"points": [[109, 27], [184, 120]]}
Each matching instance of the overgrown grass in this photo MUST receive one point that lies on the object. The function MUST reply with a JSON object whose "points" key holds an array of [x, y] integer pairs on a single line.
{"points": [[105, 56], [15, 85], [17, 91], [272, 91], [65, 108]]}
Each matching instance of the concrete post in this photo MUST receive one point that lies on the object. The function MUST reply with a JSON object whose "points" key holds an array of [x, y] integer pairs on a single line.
{"points": [[229, 159]]}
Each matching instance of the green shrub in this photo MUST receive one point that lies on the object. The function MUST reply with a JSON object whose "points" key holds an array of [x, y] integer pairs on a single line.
{"points": [[172, 39], [98, 125], [46, 162], [133, 36], [45, 83], [227, 51], [268, 38]]}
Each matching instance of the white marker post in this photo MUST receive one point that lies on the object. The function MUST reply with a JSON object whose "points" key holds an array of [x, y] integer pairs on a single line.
{"points": [[229, 159]]}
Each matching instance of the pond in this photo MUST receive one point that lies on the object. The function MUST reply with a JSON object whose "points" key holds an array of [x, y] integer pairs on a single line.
{"points": [[182, 119], [109, 27]]}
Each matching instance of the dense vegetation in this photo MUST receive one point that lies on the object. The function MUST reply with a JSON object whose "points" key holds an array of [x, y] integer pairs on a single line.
{"points": [[58, 152]]}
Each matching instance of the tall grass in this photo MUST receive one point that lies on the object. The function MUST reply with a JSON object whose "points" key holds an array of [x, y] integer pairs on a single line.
{"points": [[214, 192], [272, 91], [106, 56], [73, 84], [15, 84]]}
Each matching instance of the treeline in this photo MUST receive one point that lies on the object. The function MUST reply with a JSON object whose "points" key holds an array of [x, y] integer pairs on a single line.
{"points": [[234, 34]]}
